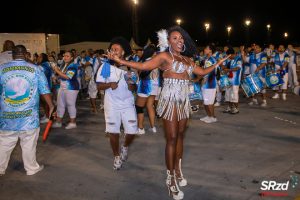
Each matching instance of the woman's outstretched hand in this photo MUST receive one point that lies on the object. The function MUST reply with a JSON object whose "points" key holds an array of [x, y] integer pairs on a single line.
{"points": [[223, 59], [112, 56]]}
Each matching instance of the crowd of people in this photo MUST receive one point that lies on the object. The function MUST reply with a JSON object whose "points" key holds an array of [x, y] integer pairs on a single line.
{"points": [[169, 79]]}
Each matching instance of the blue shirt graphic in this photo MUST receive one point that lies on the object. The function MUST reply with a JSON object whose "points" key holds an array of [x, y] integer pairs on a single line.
{"points": [[21, 84]]}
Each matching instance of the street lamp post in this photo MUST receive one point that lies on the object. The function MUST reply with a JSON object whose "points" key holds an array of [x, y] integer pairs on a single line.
{"points": [[247, 24], [229, 28], [207, 26], [135, 21], [269, 33]]}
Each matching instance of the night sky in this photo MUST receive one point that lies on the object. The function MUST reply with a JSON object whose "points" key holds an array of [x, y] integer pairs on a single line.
{"points": [[102, 20]]}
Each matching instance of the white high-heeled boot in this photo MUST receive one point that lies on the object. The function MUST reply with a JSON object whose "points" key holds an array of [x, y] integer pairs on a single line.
{"points": [[181, 180], [174, 190]]}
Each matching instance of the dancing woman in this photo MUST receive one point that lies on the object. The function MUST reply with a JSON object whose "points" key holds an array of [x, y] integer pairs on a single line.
{"points": [[174, 104], [147, 91]]}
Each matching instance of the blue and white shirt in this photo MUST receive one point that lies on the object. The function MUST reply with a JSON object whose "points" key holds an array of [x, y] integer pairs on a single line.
{"points": [[279, 60], [293, 57], [255, 60], [21, 84], [48, 73], [210, 80], [217, 55], [236, 75], [72, 82]]}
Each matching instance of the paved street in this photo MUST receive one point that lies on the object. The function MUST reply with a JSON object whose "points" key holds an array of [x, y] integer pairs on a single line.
{"points": [[226, 160]]}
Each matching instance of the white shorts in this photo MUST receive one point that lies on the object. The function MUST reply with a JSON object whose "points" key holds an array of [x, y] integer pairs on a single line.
{"points": [[154, 91], [209, 96], [232, 94], [126, 116], [92, 89]]}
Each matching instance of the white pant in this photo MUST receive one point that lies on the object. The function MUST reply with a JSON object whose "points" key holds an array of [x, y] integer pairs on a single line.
{"points": [[232, 94], [92, 89], [28, 142], [219, 93], [66, 98], [293, 78], [209, 96], [126, 116]]}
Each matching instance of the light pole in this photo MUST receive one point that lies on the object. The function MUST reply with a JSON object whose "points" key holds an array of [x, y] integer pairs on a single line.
{"points": [[269, 33], [285, 35], [135, 21], [247, 24], [229, 28], [178, 21], [207, 26]]}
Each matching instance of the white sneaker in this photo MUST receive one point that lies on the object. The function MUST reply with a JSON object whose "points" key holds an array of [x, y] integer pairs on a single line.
{"points": [[227, 110], [254, 101], [2, 173], [124, 153], [283, 96], [44, 120], [56, 125], [264, 103], [234, 111], [211, 120], [71, 126], [38, 170], [101, 106], [117, 163], [153, 129], [276, 96], [141, 131], [217, 104], [204, 118]]}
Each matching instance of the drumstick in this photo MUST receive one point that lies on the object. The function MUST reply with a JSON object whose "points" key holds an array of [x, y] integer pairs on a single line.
{"points": [[49, 124]]}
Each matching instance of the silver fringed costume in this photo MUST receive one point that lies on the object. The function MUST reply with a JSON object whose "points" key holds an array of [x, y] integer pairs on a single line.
{"points": [[175, 94]]}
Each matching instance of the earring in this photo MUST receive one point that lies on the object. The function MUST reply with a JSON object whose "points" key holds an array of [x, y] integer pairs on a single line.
{"points": [[184, 48]]}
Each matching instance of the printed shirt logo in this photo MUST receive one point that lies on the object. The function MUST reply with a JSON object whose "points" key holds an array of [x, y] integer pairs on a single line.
{"points": [[17, 90], [274, 79]]}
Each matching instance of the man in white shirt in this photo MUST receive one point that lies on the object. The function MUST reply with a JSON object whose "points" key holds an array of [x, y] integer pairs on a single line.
{"points": [[293, 78], [6, 55], [119, 106]]}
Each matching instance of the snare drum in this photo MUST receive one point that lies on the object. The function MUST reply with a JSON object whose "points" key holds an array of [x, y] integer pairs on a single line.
{"points": [[225, 82], [274, 79], [252, 85]]}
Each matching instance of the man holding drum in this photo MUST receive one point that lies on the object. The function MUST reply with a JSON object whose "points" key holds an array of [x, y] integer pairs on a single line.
{"points": [[281, 61], [257, 66]]}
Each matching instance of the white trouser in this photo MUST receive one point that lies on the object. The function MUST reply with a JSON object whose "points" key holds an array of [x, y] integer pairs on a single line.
{"points": [[293, 78], [28, 142], [92, 89], [66, 98], [232, 94], [219, 93]]}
